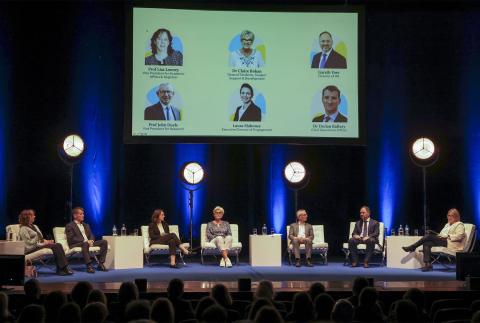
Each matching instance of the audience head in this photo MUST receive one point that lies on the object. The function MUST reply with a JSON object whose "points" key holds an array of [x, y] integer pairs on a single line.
{"points": [[256, 306], [476, 317], [32, 289], [80, 293], [69, 313], [128, 292], [214, 314], [137, 310], [203, 304], [96, 295], [316, 289], [342, 311], [265, 290], [405, 311], [417, 296], [3, 305], [162, 311], [95, 312], [323, 306], [175, 288], [358, 285], [53, 302], [32, 313], [302, 308], [368, 297], [268, 314], [221, 294]]}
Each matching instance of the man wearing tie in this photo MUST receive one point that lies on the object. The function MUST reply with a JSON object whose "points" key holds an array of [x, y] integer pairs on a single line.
{"points": [[328, 58], [366, 231], [79, 235], [331, 100], [163, 110]]}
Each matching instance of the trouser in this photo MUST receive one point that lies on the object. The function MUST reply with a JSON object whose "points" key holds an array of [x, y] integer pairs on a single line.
{"points": [[352, 246], [428, 241], [103, 244], [222, 243], [58, 254], [169, 238], [308, 248]]}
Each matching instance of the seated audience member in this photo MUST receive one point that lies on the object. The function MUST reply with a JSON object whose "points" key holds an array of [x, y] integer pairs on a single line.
{"points": [[366, 232], [69, 313], [219, 233], [221, 294], [476, 317], [159, 233], [31, 235], [417, 296], [53, 302], [342, 311], [162, 311], [203, 304], [300, 233], [256, 306], [316, 289], [404, 311], [95, 312], [32, 313], [265, 290], [5, 315], [137, 310], [323, 305], [182, 308], [452, 236], [96, 295], [128, 292], [302, 308], [368, 309], [80, 293], [359, 284], [33, 292], [214, 314], [268, 314]]}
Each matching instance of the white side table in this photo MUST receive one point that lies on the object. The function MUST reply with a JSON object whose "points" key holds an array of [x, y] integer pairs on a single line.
{"points": [[397, 258], [12, 247], [266, 250], [125, 252]]}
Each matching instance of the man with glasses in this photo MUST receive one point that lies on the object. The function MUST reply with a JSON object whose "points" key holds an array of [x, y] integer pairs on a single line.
{"points": [[163, 110], [247, 56], [301, 232]]}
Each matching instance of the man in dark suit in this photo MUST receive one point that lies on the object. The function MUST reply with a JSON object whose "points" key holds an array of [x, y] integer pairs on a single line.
{"points": [[328, 58], [301, 232], [366, 231], [331, 100], [248, 111], [163, 110], [79, 235]]}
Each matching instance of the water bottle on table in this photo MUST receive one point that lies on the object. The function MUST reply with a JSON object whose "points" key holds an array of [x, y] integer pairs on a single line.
{"points": [[123, 231], [400, 230], [264, 229], [114, 230], [407, 230]]}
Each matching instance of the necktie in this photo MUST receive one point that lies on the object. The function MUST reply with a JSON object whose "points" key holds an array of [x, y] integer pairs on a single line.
{"points": [[364, 230], [327, 118], [323, 60], [168, 113]]}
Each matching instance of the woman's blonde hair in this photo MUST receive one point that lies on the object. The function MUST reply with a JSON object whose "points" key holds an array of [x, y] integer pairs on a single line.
{"points": [[455, 213], [218, 208]]}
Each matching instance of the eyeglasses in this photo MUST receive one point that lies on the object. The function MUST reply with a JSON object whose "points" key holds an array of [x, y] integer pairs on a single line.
{"points": [[165, 92], [247, 39]]}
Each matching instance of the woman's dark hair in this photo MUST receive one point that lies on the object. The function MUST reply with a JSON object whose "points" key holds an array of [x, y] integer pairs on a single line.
{"points": [[80, 293], [69, 312], [128, 292], [94, 312], [257, 305], [162, 310], [323, 304], [302, 308], [156, 215], [268, 314], [203, 304], [221, 294], [96, 295], [248, 86], [156, 35], [24, 216]]}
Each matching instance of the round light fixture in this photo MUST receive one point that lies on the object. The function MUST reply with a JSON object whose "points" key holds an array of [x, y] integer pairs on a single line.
{"points": [[73, 146], [423, 148], [192, 173], [294, 172]]}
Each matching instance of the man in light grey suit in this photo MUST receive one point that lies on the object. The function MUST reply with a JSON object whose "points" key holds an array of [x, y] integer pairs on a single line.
{"points": [[301, 232]]}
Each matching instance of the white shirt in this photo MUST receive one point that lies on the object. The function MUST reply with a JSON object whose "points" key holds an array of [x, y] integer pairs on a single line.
{"points": [[160, 228], [171, 115], [301, 230], [242, 110], [82, 230], [365, 224], [332, 117], [445, 230], [326, 57]]}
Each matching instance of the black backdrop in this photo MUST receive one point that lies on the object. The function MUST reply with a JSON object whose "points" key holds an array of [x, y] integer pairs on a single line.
{"points": [[414, 57]]}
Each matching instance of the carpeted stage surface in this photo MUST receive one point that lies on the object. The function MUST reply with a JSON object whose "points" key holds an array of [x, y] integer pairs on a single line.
{"points": [[193, 271]]}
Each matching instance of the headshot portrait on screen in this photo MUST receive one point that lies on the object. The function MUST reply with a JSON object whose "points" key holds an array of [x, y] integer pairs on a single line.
{"points": [[248, 111], [328, 57], [162, 52], [246, 56], [331, 100], [163, 110]]}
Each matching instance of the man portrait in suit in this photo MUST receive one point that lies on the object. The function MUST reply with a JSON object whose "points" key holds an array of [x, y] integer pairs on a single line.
{"points": [[328, 57], [366, 232], [248, 111], [301, 232], [331, 100], [163, 109], [79, 235]]}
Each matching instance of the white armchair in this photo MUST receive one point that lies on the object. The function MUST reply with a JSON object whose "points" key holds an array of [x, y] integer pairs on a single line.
{"points": [[159, 249], [443, 252], [209, 248], [319, 246], [43, 256], [379, 247], [60, 237]]}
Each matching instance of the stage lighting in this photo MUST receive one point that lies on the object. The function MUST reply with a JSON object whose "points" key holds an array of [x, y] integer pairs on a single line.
{"points": [[294, 172], [73, 146], [423, 149]]}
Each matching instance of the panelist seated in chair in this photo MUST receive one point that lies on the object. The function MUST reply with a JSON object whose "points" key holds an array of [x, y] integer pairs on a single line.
{"points": [[219, 233], [452, 236], [79, 235], [301, 232], [366, 232], [159, 233], [31, 235]]}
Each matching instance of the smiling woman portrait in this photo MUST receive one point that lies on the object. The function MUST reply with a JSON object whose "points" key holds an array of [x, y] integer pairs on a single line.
{"points": [[248, 111], [162, 51], [246, 56]]}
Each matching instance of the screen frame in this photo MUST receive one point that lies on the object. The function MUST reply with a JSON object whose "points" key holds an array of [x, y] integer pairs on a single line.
{"points": [[208, 6]]}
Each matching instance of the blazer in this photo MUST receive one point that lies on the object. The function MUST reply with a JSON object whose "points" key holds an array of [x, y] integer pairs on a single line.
{"points": [[340, 118], [154, 232], [74, 235], [253, 113], [334, 60], [373, 229], [31, 237], [294, 227], [456, 237], [155, 112]]}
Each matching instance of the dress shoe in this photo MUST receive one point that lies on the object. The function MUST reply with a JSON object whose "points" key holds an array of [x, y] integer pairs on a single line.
{"points": [[297, 263], [228, 263], [64, 272], [354, 264], [408, 249], [309, 263], [101, 267], [427, 267], [90, 269], [222, 262], [365, 264], [174, 266]]}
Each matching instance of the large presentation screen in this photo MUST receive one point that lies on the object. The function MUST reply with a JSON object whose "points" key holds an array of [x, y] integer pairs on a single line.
{"points": [[244, 76]]}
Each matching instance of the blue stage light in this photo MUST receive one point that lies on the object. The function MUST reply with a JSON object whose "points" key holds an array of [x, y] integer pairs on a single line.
{"points": [[277, 189]]}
